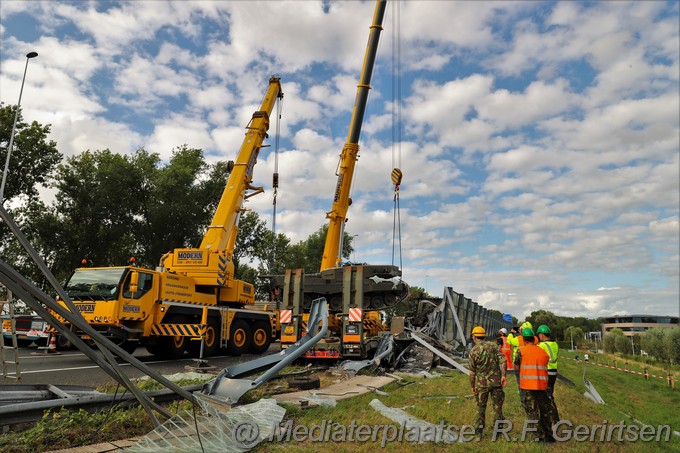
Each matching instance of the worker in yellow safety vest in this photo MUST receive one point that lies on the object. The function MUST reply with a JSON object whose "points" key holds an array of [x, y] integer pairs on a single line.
{"points": [[552, 349]]}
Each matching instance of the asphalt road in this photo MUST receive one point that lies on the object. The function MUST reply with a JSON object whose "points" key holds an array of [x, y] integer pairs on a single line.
{"points": [[75, 368]]}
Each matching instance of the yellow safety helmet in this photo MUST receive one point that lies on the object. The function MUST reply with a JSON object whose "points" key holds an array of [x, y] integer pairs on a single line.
{"points": [[526, 325], [478, 332]]}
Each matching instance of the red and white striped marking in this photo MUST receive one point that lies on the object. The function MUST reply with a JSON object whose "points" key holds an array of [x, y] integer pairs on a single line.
{"points": [[626, 370], [355, 314], [285, 316]]}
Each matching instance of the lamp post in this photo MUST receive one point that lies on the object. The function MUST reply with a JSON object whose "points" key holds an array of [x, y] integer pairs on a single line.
{"points": [[11, 137]]}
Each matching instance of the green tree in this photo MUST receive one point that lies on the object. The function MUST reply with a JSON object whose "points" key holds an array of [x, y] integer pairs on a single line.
{"points": [[33, 158], [653, 343], [251, 233], [95, 207], [307, 254], [610, 343], [623, 344], [110, 207], [548, 318], [32, 163], [178, 201], [672, 343], [574, 335], [636, 340]]}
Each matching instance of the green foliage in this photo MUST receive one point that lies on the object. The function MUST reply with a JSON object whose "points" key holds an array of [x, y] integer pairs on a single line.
{"points": [[307, 254], [67, 428], [653, 343], [33, 158], [610, 343], [672, 344], [251, 232], [623, 344], [575, 335], [31, 165]]}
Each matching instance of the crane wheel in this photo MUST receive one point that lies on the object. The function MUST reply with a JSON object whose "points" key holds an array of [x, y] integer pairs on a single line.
{"points": [[176, 346], [239, 338], [262, 337], [212, 341], [307, 301], [377, 302], [335, 304], [171, 347]]}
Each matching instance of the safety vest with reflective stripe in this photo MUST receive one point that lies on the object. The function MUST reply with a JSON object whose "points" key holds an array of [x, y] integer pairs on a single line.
{"points": [[517, 342], [533, 370], [552, 349], [505, 349]]}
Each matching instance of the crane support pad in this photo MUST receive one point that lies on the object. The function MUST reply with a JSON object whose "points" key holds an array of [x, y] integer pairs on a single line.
{"points": [[179, 330]]}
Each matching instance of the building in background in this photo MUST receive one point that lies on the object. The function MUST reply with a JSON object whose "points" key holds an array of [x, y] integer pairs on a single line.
{"points": [[637, 324]]}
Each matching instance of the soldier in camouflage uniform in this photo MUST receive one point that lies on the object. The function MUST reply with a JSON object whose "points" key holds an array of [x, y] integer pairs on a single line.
{"points": [[487, 376]]}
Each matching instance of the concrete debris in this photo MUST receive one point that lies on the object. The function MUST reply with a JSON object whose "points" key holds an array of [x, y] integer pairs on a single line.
{"points": [[320, 400], [354, 386], [179, 376], [425, 431]]}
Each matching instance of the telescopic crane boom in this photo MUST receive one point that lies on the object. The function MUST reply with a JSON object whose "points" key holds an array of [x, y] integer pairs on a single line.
{"points": [[211, 264], [350, 152]]}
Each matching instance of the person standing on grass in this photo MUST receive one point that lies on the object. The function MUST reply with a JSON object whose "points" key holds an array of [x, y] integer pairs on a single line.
{"points": [[502, 342], [532, 363], [516, 341], [552, 349], [487, 376]]}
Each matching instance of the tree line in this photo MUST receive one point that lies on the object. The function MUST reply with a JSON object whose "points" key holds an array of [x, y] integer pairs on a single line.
{"points": [[108, 207], [662, 343]]}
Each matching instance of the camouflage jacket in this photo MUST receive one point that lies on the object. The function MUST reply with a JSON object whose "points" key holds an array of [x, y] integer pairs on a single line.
{"points": [[487, 365]]}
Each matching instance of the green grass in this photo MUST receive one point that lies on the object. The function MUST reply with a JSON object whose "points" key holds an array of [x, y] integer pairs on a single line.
{"points": [[650, 402]]}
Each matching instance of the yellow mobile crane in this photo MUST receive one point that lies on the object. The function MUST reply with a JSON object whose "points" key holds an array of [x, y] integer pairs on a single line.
{"points": [[355, 293], [193, 294]]}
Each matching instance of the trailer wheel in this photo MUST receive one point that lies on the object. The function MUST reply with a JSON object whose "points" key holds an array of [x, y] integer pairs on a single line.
{"points": [[239, 338], [262, 337]]}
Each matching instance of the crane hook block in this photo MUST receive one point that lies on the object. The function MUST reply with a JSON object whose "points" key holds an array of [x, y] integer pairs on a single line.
{"points": [[396, 176]]}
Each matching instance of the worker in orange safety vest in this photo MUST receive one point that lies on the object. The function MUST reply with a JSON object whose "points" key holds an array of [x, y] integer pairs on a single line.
{"points": [[505, 347], [532, 363]]}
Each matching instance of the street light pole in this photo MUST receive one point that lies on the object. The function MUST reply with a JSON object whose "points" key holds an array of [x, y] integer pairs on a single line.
{"points": [[11, 137]]}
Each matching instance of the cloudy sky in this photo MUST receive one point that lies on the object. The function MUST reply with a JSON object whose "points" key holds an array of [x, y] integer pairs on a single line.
{"points": [[539, 141]]}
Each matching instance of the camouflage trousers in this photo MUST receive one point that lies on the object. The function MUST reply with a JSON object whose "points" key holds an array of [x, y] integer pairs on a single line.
{"points": [[554, 415], [497, 399], [538, 407]]}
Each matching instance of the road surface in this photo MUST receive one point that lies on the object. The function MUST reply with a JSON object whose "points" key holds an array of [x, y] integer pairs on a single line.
{"points": [[75, 368]]}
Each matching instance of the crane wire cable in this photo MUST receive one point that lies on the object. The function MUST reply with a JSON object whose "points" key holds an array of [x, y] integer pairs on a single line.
{"points": [[275, 181], [396, 125]]}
